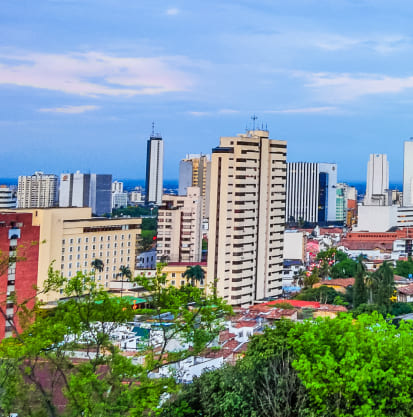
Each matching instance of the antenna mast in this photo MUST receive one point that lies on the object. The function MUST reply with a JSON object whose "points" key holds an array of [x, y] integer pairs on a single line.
{"points": [[254, 118]]}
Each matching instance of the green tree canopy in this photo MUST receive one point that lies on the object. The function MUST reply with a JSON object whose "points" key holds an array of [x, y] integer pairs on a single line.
{"points": [[361, 368], [322, 294]]}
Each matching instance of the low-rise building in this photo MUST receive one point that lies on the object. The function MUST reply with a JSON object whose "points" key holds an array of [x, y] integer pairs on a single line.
{"points": [[175, 273]]}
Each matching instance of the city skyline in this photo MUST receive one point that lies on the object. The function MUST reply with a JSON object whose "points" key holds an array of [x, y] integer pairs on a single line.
{"points": [[82, 81]]}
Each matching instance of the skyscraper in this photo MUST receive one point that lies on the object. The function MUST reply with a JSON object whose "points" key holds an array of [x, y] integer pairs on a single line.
{"points": [[408, 174], [86, 190], [311, 194], [247, 215], [154, 170], [377, 185], [37, 190]]}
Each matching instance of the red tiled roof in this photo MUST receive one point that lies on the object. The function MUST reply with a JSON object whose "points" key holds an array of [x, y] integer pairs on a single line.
{"points": [[277, 313], [225, 335], [244, 323], [329, 230], [366, 244], [231, 344], [408, 289], [296, 303]]}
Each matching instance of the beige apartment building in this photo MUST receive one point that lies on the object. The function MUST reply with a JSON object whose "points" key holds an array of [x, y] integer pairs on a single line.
{"points": [[247, 216], [71, 239], [179, 236], [195, 171]]}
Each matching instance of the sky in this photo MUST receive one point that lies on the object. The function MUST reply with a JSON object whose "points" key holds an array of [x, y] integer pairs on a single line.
{"points": [[81, 81]]}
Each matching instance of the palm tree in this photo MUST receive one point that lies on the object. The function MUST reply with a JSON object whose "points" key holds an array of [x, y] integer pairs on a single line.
{"points": [[299, 277], [371, 284], [194, 273], [124, 271], [97, 265]]}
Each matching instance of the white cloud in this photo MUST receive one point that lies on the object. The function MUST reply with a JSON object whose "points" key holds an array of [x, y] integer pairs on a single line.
{"points": [[348, 87], [172, 12], [199, 113], [228, 111], [70, 109], [326, 109], [95, 73]]}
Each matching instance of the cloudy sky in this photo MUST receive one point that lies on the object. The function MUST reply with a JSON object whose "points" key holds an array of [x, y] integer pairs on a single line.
{"points": [[81, 81]]}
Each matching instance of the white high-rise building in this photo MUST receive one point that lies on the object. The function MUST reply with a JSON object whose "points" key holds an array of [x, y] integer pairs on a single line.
{"points": [[311, 192], [86, 190], [408, 174], [247, 216], [154, 170], [37, 190], [7, 198], [377, 185]]}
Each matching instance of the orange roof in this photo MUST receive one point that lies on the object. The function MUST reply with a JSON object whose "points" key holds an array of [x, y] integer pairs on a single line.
{"points": [[244, 323], [296, 303], [408, 289]]}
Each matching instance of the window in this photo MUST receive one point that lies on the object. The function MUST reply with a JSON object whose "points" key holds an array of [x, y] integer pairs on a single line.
{"points": [[182, 282], [85, 263], [173, 282], [78, 256], [63, 258], [86, 247], [85, 255], [108, 246], [70, 266], [94, 239], [70, 257], [108, 237], [63, 242], [63, 250], [173, 275], [78, 248], [71, 241], [115, 245], [79, 240], [86, 240]]}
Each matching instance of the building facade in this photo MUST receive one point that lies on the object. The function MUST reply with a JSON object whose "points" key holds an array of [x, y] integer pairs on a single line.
{"points": [[37, 190], [311, 192], [7, 198], [154, 170], [71, 239], [408, 174], [86, 190], [195, 171], [179, 236], [247, 216], [377, 185], [19, 241]]}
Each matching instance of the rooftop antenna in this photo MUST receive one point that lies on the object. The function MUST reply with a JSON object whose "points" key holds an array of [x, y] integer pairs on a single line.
{"points": [[254, 118], [153, 129]]}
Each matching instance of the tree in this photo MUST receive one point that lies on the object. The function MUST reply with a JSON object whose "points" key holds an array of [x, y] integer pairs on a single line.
{"points": [[313, 278], [299, 277], [261, 384], [322, 294], [344, 269], [37, 366], [359, 288], [124, 271], [404, 268], [384, 289], [97, 265], [194, 273], [355, 368]]}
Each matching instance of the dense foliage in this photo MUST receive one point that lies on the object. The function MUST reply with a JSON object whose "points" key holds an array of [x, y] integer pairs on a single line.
{"points": [[39, 377]]}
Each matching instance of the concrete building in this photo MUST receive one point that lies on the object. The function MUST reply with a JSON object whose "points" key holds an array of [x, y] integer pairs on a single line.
{"points": [[7, 198], [175, 271], [346, 204], [179, 236], [72, 239], [247, 216], [195, 171], [17, 234], [135, 196], [408, 174], [311, 192], [377, 185], [37, 190], [154, 170], [117, 187], [86, 190]]}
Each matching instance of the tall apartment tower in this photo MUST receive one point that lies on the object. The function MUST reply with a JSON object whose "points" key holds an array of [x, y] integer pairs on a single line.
{"points": [[377, 185], [154, 170], [311, 191], [195, 171], [179, 227], [408, 174], [247, 216], [86, 190], [37, 190]]}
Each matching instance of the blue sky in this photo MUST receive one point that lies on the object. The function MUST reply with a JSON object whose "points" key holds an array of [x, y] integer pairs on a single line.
{"points": [[82, 80]]}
